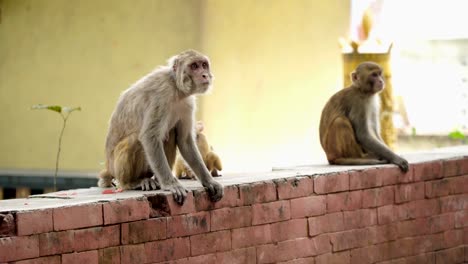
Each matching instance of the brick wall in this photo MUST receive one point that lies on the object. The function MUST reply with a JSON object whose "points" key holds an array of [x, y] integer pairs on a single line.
{"points": [[376, 215]]}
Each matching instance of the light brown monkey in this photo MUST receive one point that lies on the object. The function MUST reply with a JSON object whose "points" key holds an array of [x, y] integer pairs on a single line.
{"points": [[211, 159], [350, 125], [153, 117]]}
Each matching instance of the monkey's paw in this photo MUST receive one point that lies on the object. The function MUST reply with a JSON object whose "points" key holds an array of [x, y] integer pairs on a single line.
{"points": [[148, 184], [215, 190], [178, 191], [403, 164]]}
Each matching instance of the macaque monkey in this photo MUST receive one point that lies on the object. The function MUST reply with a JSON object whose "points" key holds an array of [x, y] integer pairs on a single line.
{"points": [[211, 159], [350, 125], [153, 118]]}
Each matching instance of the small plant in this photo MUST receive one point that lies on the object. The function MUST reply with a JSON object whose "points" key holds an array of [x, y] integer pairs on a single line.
{"points": [[64, 113]]}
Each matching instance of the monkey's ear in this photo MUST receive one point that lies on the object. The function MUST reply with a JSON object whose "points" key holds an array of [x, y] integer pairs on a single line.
{"points": [[354, 77], [173, 63]]}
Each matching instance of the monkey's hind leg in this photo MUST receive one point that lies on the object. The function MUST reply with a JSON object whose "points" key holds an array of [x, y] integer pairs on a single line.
{"points": [[342, 147], [213, 163], [105, 179]]}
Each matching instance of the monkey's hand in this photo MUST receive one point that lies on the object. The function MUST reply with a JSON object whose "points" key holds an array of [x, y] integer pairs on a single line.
{"points": [[148, 184], [402, 163], [178, 191], [215, 189]]}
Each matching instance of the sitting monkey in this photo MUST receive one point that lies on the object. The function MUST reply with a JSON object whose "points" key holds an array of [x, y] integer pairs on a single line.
{"points": [[211, 159], [350, 125]]}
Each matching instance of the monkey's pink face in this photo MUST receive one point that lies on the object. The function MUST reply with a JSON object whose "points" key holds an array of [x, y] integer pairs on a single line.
{"points": [[375, 81], [199, 71]]}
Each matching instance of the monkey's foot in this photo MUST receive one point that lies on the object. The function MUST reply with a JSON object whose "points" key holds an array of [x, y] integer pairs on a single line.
{"points": [[215, 190], [148, 184], [178, 191]]}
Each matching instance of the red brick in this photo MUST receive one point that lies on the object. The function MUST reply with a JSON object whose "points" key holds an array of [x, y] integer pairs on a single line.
{"points": [[286, 250], [74, 217], [109, 255], [16, 248], [428, 171], [359, 218], [310, 260], [231, 198], [133, 254], [465, 235], [454, 203], [88, 257], [210, 243], [439, 223], [452, 255], [459, 185], [365, 255], [7, 224], [287, 230], [144, 231], [294, 187], [392, 175], [365, 179], [452, 167], [330, 183], [56, 242], [409, 192], [427, 258], [419, 208], [378, 196], [447, 186], [121, 211], [464, 165], [169, 249], [163, 204], [186, 225], [239, 256], [461, 219], [453, 238], [466, 253], [251, 236], [260, 192], [270, 212], [229, 218], [351, 239], [384, 233], [387, 214], [335, 258], [345, 201], [97, 237], [308, 206], [326, 223], [43, 260], [205, 259], [34, 222], [414, 227], [322, 244]]}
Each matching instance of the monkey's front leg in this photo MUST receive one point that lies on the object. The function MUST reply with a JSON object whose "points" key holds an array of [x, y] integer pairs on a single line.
{"points": [[191, 155]]}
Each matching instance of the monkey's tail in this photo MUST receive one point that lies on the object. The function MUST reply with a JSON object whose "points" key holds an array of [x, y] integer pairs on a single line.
{"points": [[105, 179], [214, 160], [357, 161]]}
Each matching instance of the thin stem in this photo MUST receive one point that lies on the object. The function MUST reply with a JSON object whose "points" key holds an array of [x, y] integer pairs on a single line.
{"points": [[58, 150]]}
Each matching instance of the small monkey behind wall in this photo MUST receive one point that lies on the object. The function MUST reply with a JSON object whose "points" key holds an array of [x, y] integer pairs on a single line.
{"points": [[350, 122], [153, 118]]}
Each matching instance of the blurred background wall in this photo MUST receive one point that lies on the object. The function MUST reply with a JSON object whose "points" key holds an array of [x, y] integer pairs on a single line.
{"points": [[275, 61]]}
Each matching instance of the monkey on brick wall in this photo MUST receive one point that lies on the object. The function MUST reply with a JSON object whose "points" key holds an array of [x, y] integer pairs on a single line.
{"points": [[350, 122], [153, 118], [211, 159]]}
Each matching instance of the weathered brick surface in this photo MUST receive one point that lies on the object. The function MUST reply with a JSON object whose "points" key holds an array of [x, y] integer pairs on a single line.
{"points": [[294, 187], [417, 209], [351, 239], [251, 236], [41, 260], [330, 183], [209, 243], [133, 254], [409, 192], [144, 231], [186, 225], [17, 248], [110, 255], [56, 242], [308, 206], [428, 171], [88, 257], [231, 198], [164, 205], [291, 249], [454, 203], [452, 255], [125, 211], [378, 197], [74, 217], [169, 249], [359, 218], [461, 219], [34, 222], [337, 258], [365, 179], [344, 201], [261, 192], [332, 222], [287, 230], [97, 237], [270, 212], [228, 218]]}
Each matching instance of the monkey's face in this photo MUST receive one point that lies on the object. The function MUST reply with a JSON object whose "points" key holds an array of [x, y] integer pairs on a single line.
{"points": [[199, 72], [375, 81]]}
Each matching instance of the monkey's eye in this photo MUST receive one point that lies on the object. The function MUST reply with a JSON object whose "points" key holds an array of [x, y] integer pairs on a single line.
{"points": [[194, 66], [205, 65], [375, 74]]}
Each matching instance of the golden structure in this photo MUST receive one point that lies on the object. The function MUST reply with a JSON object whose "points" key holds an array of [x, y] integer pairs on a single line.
{"points": [[350, 62]]}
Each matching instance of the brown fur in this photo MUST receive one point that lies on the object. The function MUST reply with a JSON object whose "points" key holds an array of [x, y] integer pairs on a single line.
{"points": [[350, 125]]}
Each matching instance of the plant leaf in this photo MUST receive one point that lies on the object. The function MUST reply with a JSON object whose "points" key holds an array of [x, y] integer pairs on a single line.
{"points": [[456, 135], [55, 108], [71, 109]]}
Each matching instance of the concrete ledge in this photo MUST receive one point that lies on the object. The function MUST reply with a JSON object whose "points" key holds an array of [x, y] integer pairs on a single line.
{"points": [[321, 214]]}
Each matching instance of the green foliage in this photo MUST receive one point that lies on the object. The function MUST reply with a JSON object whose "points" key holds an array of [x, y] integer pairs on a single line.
{"points": [[64, 113], [457, 135]]}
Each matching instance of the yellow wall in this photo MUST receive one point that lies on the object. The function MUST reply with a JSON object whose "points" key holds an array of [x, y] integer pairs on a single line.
{"points": [[275, 61]]}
